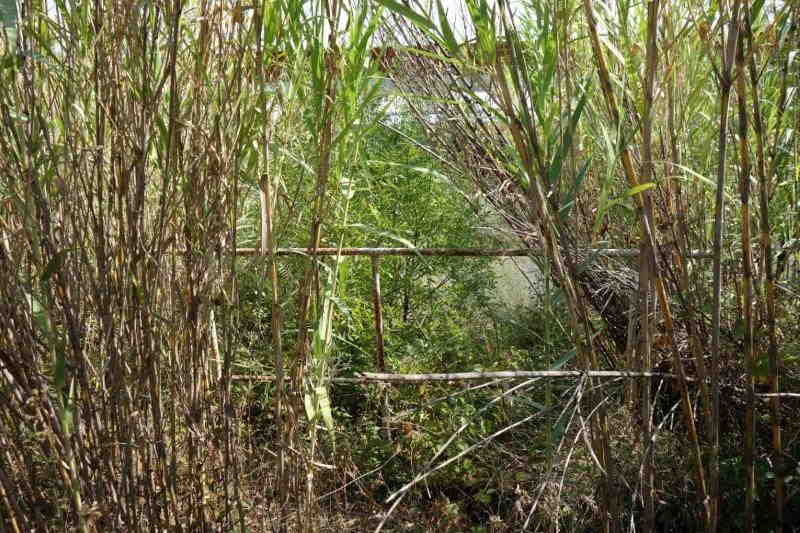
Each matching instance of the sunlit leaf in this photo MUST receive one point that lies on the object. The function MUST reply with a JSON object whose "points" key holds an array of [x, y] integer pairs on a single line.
{"points": [[633, 191], [324, 403]]}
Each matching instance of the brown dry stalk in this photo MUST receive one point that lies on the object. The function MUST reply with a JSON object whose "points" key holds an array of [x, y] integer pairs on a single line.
{"points": [[725, 80], [131, 409], [681, 232], [747, 289], [646, 265], [765, 179], [267, 204], [646, 220]]}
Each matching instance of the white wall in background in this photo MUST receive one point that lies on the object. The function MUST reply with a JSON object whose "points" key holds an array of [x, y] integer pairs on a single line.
{"points": [[516, 280]]}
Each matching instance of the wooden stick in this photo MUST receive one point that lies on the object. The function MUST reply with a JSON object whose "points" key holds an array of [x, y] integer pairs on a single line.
{"points": [[451, 252], [372, 377]]}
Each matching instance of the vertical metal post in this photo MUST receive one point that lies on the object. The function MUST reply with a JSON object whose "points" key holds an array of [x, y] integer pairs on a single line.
{"points": [[380, 361]]}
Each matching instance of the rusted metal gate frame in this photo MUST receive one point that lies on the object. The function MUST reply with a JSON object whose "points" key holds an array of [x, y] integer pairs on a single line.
{"points": [[375, 255]]}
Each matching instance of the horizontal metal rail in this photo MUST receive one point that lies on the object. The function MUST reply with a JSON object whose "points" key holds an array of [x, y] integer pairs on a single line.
{"points": [[451, 252], [372, 377]]}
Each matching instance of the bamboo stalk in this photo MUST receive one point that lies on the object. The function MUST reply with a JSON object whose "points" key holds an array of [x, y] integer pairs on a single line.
{"points": [[725, 79], [747, 288], [764, 179], [646, 219], [325, 88], [267, 248], [645, 359], [681, 230]]}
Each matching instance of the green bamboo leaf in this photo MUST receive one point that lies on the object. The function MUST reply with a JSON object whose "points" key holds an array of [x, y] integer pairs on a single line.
{"points": [[65, 416], [405, 242], [401, 240], [755, 10], [427, 171], [40, 317], [543, 93], [65, 413], [566, 143], [702, 179], [558, 429], [308, 401], [484, 20], [564, 359], [324, 404], [321, 340], [447, 31], [569, 201], [605, 207], [410, 14], [613, 49], [640, 188]]}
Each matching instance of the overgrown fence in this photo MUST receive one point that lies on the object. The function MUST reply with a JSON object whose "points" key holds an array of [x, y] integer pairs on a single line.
{"points": [[376, 253]]}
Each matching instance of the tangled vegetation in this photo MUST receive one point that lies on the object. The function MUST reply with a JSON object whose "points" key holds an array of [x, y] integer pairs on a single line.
{"points": [[186, 343]]}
